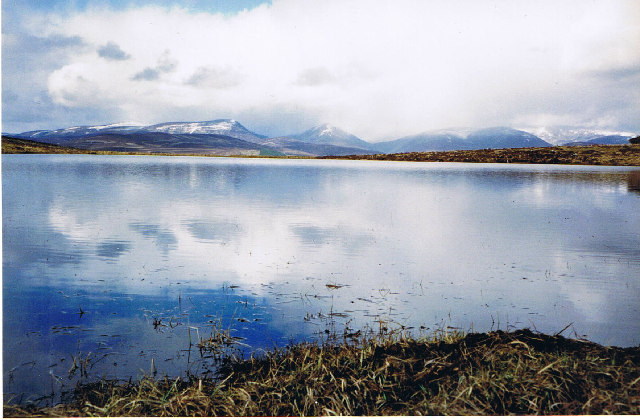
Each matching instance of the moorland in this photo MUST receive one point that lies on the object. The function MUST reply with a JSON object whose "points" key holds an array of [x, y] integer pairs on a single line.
{"points": [[614, 155]]}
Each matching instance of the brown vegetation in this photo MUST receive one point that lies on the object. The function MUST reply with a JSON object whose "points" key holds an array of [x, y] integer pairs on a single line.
{"points": [[615, 155], [11, 145], [493, 373]]}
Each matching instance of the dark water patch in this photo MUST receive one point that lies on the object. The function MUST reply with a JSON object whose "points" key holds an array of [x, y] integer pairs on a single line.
{"points": [[120, 339], [111, 250]]}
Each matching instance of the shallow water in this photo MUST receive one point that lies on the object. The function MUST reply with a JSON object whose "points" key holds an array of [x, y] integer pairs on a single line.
{"points": [[121, 260]]}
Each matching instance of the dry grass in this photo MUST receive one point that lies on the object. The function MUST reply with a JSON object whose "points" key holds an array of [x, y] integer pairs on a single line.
{"points": [[12, 145], [386, 374], [614, 155]]}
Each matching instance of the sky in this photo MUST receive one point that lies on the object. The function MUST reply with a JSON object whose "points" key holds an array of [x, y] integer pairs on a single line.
{"points": [[378, 69]]}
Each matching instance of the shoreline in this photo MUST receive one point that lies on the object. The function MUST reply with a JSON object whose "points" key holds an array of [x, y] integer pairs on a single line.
{"points": [[609, 155], [389, 373], [601, 155]]}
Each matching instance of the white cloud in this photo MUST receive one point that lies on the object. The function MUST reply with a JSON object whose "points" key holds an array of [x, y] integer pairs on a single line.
{"points": [[377, 69]]}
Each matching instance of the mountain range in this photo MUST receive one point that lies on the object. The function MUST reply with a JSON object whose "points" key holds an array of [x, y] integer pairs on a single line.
{"points": [[576, 136], [489, 138], [229, 137]]}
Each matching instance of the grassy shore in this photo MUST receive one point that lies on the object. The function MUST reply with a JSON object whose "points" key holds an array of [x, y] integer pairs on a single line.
{"points": [[615, 155], [492, 373]]}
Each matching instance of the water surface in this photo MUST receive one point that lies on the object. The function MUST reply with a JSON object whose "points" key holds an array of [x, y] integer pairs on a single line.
{"points": [[121, 260]]}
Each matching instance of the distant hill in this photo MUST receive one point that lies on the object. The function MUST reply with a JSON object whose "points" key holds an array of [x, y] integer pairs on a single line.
{"points": [[228, 128], [600, 140], [423, 143], [561, 135], [490, 138], [328, 134], [502, 138], [293, 147], [159, 142]]}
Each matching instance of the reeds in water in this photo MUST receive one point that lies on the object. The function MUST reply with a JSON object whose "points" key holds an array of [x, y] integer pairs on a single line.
{"points": [[387, 373]]}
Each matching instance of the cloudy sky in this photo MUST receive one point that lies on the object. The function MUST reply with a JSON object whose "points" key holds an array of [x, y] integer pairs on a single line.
{"points": [[379, 69]]}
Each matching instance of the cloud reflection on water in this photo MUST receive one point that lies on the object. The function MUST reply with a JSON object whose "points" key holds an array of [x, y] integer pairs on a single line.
{"points": [[476, 242], [472, 246]]}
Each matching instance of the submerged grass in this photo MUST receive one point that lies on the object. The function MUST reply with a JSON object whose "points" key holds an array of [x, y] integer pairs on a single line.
{"points": [[492, 373]]}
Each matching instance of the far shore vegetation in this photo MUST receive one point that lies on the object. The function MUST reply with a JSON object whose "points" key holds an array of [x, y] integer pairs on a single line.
{"points": [[382, 374], [610, 155]]}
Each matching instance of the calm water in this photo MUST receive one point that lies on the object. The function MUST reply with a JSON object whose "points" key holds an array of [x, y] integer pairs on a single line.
{"points": [[118, 260]]}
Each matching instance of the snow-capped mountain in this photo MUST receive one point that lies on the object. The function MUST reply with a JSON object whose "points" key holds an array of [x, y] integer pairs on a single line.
{"points": [[503, 137], [223, 136], [566, 135], [227, 136], [84, 130], [230, 128], [425, 142], [462, 139], [328, 134]]}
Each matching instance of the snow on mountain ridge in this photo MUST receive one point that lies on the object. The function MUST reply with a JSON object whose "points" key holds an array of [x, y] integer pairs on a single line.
{"points": [[328, 134], [561, 135], [83, 130], [202, 127], [115, 125], [223, 127], [327, 130], [462, 132]]}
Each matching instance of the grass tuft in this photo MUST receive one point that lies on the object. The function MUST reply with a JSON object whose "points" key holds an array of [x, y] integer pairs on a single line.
{"points": [[494, 373]]}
